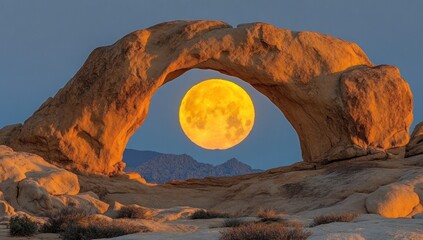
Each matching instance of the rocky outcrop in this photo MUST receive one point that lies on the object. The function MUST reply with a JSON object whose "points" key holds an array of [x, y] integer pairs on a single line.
{"points": [[391, 189], [340, 104], [6, 211], [28, 178], [415, 146], [393, 201], [30, 184]]}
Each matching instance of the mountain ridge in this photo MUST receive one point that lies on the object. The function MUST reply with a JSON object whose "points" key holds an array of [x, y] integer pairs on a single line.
{"points": [[158, 167]]}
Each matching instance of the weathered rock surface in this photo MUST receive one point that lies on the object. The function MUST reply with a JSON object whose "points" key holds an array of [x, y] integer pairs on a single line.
{"points": [[30, 184], [393, 201], [6, 211], [370, 227], [341, 187], [27, 178], [415, 146], [339, 103], [400, 199]]}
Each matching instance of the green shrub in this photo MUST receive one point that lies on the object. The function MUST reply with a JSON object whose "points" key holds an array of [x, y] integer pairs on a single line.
{"points": [[22, 226], [268, 215], [58, 221], [204, 214], [263, 231], [100, 229], [325, 219], [133, 212]]}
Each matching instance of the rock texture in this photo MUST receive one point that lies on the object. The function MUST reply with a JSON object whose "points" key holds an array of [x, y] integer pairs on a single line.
{"points": [[415, 146], [30, 184], [369, 227], [391, 189], [393, 201], [340, 105]]}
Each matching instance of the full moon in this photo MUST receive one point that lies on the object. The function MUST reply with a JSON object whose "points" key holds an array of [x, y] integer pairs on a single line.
{"points": [[216, 114]]}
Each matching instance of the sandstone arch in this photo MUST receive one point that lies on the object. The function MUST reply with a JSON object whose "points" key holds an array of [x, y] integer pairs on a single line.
{"points": [[340, 104]]}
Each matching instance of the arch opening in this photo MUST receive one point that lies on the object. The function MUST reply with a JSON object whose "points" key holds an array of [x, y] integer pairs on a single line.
{"points": [[266, 147]]}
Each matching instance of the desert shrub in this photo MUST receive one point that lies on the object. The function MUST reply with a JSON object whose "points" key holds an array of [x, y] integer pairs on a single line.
{"points": [[232, 222], [100, 229], [60, 220], [133, 212], [22, 226], [205, 214], [325, 219], [268, 215], [263, 231]]}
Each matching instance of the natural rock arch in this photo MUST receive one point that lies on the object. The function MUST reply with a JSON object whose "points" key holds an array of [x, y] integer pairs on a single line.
{"points": [[340, 105]]}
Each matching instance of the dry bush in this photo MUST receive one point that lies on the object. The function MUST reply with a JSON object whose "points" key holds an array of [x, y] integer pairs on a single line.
{"points": [[268, 215], [58, 221], [325, 219], [205, 214], [76, 224], [100, 228], [263, 231], [232, 222], [133, 212], [22, 226]]}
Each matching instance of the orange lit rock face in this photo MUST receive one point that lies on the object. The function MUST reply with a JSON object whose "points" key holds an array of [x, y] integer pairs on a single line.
{"points": [[415, 146], [340, 104]]}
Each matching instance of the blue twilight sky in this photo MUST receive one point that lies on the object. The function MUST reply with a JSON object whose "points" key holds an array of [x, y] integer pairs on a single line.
{"points": [[44, 43]]}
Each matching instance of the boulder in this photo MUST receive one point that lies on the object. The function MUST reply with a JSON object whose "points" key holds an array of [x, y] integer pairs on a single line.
{"points": [[33, 198], [326, 87], [87, 201], [6, 211], [113, 211], [392, 201], [29, 183], [415, 146], [133, 176], [17, 166]]}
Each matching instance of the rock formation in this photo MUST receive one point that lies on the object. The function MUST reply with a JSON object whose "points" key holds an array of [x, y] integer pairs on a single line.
{"points": [[30, 184], [415, 146], [340, 104]]}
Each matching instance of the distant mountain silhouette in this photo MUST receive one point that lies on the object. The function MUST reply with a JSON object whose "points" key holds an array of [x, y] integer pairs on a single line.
{"points": [[133, 158], [158, 167]]}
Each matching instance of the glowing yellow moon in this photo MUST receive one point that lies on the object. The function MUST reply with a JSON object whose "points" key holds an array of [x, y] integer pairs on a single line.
{"points": [[216, 114]]}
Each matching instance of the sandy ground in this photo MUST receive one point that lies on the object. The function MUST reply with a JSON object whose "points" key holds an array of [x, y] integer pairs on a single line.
{"points": [[205, 230], [368, 226], [4, 234]]}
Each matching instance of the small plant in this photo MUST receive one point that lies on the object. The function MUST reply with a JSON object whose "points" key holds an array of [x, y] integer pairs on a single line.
{"points": [[268, 215], [133, 212], [58, 221], [263, 231], [325, 219], [205, 214], [22, 226], [232, 222], [100, 229]]}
